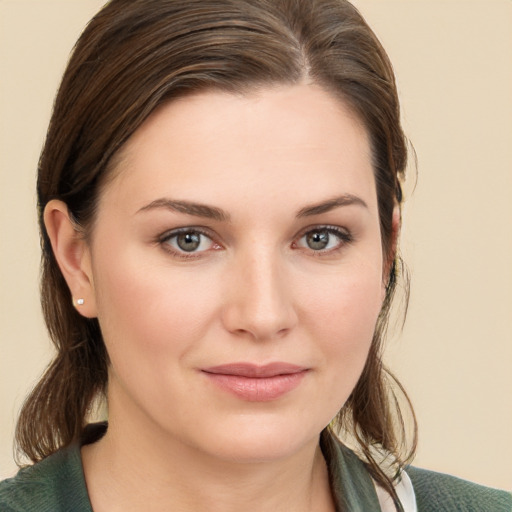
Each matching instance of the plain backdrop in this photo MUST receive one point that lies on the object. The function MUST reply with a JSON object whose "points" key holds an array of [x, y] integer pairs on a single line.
{"points": [[453, 60]]}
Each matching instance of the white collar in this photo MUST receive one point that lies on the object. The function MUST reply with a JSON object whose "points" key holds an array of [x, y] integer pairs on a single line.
{"points": [[405, 492]]}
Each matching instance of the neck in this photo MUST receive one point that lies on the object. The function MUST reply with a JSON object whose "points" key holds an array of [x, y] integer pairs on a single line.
{"points": [[131, 472]]}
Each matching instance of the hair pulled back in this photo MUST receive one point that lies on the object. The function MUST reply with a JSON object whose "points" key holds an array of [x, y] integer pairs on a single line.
{"points": [[135, 55]]}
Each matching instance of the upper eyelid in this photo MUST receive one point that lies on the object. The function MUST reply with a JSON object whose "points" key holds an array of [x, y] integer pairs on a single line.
{"points": [[186, 229], [208, 231], [320, 227]]}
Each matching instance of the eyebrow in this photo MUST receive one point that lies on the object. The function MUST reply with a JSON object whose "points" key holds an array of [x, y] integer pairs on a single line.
{"points": [[212, 212], [331, 204], [189, 208]]}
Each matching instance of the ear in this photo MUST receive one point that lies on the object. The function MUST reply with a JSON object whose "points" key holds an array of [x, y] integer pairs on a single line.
{"points": [[73, 256], [396, 223]]}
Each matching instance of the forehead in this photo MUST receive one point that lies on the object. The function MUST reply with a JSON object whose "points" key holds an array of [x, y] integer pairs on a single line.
{"points": [[297, 138]]}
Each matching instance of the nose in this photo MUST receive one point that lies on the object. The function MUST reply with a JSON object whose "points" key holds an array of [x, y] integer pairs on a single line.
{"points": [[258, 302]]}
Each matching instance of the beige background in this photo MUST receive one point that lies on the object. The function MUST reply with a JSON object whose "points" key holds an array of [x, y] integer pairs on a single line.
{"points": [[453, 60]]}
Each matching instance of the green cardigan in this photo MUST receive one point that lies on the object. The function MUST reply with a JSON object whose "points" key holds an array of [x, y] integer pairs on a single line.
{"points": [[57, 484]]}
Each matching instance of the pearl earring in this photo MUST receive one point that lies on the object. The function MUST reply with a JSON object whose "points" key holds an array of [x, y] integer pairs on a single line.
{"points": [[80, 302]]}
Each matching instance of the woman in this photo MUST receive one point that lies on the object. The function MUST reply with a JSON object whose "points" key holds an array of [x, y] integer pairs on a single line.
{"points": [[219, 200]]}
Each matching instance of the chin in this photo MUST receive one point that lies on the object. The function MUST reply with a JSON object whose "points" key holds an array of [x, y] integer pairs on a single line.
{"points": [[260, 441]]}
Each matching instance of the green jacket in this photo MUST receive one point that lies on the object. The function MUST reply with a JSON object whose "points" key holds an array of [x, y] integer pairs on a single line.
{"points": [[57, 484]]}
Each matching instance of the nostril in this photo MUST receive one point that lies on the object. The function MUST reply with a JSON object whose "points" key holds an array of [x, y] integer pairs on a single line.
{"points": [[259, 324]]}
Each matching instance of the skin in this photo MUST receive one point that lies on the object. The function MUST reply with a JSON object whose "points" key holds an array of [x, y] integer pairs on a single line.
{"points": [[253, 291]]}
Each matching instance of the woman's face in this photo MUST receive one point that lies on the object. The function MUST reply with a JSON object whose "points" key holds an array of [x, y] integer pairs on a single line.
{"points": [[236, 270]]}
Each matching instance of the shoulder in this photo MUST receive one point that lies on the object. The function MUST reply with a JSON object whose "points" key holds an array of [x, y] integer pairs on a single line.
{"points": [[438, 492], [52, 485]]}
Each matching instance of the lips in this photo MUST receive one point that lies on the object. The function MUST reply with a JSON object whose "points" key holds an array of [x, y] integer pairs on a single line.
{"points": [[256, 383]]}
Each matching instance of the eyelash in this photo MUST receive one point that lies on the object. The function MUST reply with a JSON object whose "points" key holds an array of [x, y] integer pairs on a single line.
{"points": [[164, 239], [344, 237]]}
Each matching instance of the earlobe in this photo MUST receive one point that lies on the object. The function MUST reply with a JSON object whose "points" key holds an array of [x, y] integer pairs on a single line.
{"points": [[73, 256]]}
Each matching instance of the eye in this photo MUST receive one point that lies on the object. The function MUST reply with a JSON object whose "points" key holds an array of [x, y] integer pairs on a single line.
{"points": [[324, 239], [187, 241]]}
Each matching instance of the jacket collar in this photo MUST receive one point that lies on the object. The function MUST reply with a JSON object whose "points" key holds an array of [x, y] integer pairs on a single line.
{"points": [[351, 484]]}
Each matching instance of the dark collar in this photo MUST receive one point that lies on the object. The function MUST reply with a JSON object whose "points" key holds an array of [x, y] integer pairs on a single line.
{"points": [[351, 484]]}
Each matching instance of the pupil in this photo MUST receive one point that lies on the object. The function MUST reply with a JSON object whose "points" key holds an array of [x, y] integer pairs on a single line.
{"points": [[318, 240], [189, 241]]}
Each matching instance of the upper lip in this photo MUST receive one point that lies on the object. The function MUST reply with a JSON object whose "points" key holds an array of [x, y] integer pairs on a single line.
{"points": [[255, 371]]}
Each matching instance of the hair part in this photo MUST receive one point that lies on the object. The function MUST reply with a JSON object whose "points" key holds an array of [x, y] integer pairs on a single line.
{"points": [[136, 55]]}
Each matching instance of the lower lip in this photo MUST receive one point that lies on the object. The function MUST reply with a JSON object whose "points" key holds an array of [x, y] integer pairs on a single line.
{"points": [[257, 389]]}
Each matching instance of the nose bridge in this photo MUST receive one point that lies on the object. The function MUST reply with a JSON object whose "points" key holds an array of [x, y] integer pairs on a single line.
{"points": [[259, 302]]}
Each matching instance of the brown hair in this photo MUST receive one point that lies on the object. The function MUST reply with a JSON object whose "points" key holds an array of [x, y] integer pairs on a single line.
{"points": [[132, 57]]}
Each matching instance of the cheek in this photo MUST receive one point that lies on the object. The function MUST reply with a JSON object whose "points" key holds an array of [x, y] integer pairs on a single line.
{"points": [[346, 304], [149, 308], [343, 320]]}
